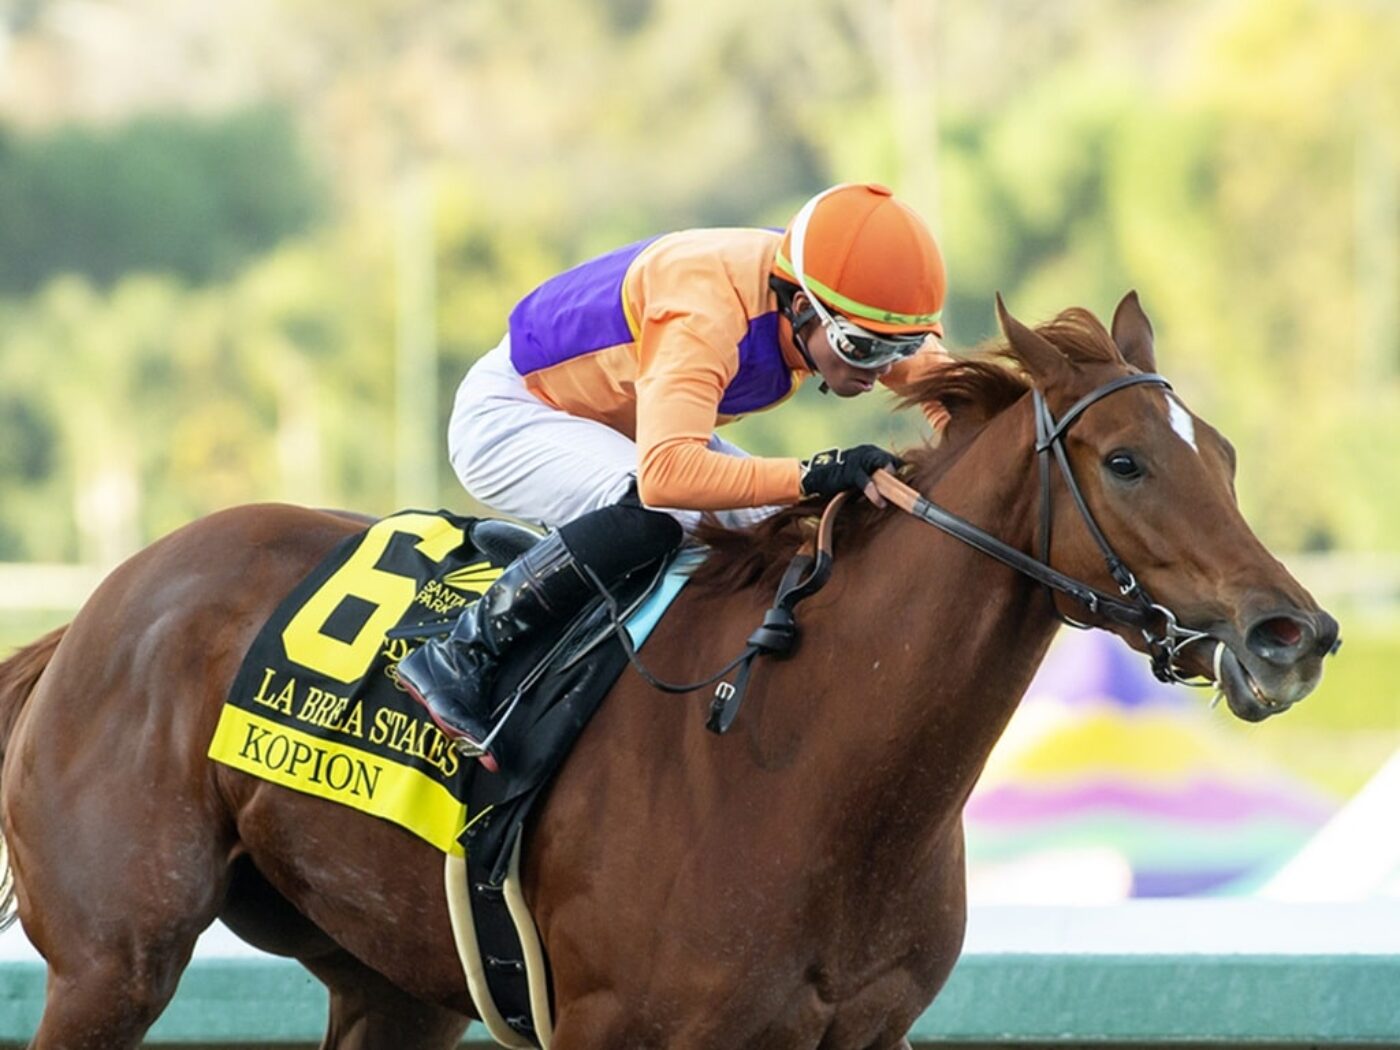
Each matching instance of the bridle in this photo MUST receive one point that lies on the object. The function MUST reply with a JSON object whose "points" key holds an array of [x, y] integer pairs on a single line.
{"points": [[1165, 638]]}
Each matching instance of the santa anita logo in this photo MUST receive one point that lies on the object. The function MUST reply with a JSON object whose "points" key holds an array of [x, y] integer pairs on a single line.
{"points": [[458, 589]]}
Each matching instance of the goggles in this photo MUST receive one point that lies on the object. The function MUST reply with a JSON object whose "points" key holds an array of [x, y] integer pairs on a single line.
{"points": [[853, 344], [862, 349]]}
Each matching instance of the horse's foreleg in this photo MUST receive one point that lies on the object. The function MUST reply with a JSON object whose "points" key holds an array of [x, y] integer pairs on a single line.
{"points": [[369, 1013]]}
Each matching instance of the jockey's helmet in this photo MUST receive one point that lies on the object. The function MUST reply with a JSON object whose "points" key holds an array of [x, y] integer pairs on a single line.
{"points": [[869, 257]]}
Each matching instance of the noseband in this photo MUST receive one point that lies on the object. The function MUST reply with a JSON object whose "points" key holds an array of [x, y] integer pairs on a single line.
{"points": [[1164, 637]]}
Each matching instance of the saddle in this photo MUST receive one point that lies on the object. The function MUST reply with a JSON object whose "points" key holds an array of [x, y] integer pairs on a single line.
{"points": [[553, 669]]}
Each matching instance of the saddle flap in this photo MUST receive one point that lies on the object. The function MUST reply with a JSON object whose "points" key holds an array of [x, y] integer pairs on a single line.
{"points": [[565, 674]]}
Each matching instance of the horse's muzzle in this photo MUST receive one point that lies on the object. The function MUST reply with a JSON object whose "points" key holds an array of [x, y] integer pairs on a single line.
{"points": [[1276, 661]]}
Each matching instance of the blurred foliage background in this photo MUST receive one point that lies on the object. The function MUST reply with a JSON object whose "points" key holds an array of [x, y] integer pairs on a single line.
{"points": [[248, 250]]}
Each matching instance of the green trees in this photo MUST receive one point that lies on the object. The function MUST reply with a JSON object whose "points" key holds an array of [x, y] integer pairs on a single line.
{"points": [[196, 198]]}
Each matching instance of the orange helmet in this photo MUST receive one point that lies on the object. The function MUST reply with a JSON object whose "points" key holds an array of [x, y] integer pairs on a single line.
{"points": [[867, 256]]}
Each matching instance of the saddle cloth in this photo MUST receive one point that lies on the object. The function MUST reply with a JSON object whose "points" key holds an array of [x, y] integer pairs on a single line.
{"points": [[316, 707]]}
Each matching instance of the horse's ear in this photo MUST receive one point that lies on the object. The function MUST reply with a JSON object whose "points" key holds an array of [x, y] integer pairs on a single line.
{"points": [[1043, 360], [1132, 333]]}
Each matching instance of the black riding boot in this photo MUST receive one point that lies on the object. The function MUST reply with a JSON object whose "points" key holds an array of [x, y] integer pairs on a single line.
{"points": [[451, 676]]}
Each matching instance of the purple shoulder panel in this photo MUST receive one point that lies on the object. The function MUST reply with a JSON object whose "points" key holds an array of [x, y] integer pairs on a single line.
{"points": [[576, 313], [764, 377]]}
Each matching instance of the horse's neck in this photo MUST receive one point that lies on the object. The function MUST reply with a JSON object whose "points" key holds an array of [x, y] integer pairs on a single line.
{"points": [[962, 634]]}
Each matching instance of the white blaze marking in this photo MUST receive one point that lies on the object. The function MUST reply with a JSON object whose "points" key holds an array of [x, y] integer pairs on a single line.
{"points": [[1182, 422]]}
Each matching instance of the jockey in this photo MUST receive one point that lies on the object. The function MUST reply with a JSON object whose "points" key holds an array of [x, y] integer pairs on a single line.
{"points": [[596, 414]]}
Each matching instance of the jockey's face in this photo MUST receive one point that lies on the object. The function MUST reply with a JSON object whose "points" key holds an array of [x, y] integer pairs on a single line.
{"points": [[843, 378]]}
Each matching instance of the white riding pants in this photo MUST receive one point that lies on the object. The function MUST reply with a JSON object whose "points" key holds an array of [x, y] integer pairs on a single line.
{"points": [[521, 457]]}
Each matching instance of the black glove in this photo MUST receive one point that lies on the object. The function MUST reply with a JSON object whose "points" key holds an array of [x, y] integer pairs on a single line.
{"points": [[836, 470]]}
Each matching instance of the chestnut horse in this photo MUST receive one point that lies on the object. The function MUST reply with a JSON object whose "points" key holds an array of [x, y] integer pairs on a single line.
{"points": [[797, 883]]}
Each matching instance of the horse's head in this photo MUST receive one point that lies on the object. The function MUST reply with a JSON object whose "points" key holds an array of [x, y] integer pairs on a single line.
{"points": [[1158, 482]]}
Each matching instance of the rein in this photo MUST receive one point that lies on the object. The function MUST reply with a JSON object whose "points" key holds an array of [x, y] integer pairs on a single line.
{"points": [[1139, 612]]}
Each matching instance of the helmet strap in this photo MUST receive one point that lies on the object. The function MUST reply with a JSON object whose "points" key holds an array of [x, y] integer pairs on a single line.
{"points": [[799, 322], [786, 292], [801, 344]]}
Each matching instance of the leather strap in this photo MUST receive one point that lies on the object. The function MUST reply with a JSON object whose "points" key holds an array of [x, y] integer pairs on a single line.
{"points": [[1099, 603], [806, 574]]}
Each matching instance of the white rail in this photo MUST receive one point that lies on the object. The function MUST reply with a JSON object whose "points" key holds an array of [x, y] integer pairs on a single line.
{"points": [[46, 587]]}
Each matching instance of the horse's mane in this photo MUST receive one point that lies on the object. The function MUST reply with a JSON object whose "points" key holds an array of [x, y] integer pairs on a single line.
{"points": [[980, 385]]}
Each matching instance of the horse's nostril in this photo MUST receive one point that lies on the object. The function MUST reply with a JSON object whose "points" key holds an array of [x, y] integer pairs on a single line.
{"points": [[1279, 639], [1284, 631]]}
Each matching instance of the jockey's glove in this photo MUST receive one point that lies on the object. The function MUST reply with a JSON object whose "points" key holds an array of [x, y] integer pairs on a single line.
{"points": [[836, 470]]}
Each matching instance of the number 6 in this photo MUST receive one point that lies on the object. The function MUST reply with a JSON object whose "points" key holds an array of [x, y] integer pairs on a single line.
{"points": [[390, 592]]}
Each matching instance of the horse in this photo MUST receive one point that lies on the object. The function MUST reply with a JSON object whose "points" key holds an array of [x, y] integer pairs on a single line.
{"points": [[798, 883]]}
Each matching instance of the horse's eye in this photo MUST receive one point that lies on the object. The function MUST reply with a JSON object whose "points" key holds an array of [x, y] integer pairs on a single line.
{"points": [[1123, 465]]}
